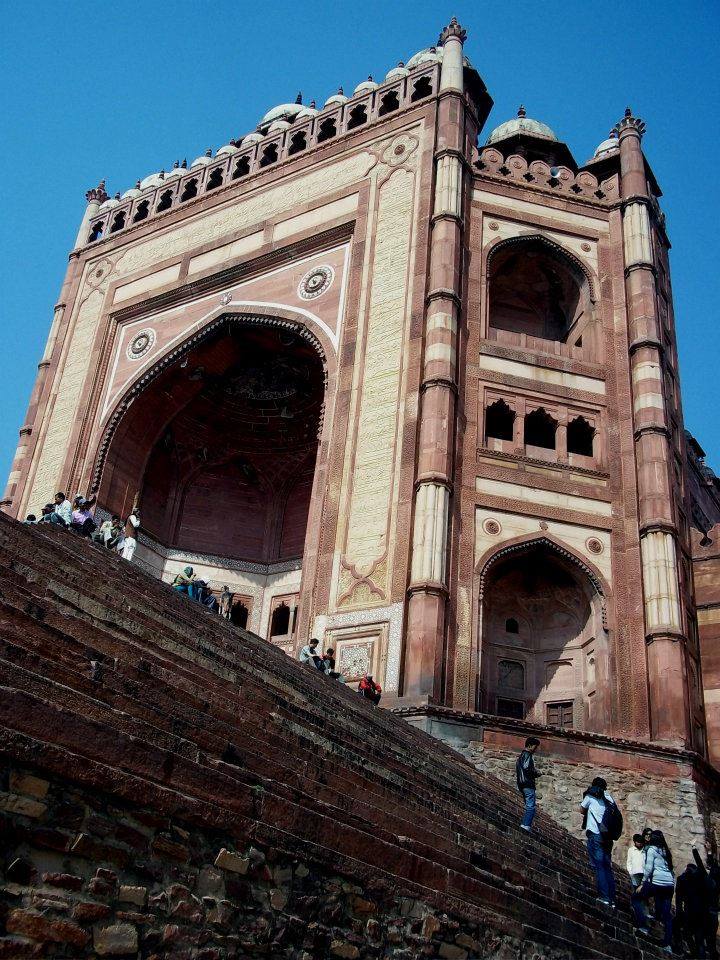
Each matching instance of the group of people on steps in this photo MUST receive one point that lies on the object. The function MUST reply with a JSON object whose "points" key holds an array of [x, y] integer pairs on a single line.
{"points": [[692, 929]]}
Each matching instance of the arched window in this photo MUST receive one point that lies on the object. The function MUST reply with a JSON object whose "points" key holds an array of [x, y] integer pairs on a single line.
{"points": [[189, 191], [142, 212], [96, 232], [580, 437], [512, 626], [242, 168], [165, 201], [269, 155], [280, 621], [215, 179], [535, 290], [389, 103], [540, 429], [239, 614], [499, 421], [421, 89], [118, 221], [358, 116], [298, 142], [328, 129]]}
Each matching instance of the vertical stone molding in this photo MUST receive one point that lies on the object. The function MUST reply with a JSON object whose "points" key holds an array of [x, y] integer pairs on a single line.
{"points": [[426, 624], [448, 186], [670, 716], [94, 198], [662, 603], [636, 235], [432, 507]]}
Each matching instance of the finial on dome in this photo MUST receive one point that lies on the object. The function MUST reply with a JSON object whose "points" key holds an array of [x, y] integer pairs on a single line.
{"points": [[176, 165], [312, 105], [521, 111], [630, 122], [341, 92], [97, 194], [183, 165], [452, 30], [208, 152], [117, 195], [401, 63], [298, 98], [137, 184]]}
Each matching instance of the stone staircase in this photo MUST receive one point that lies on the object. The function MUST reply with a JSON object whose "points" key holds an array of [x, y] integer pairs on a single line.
{"points": [[199, 747]]}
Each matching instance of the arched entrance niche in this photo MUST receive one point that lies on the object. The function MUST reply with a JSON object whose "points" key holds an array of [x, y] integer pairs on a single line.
{"points": [[543, 637], [219, 442], [540, 295]]}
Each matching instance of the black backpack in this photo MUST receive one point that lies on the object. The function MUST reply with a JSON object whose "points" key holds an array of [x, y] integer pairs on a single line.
{"points": [[611, 825]]}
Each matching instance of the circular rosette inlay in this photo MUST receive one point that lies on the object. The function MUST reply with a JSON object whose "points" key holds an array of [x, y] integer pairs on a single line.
{"points": [[316, 282], [141, 344]]}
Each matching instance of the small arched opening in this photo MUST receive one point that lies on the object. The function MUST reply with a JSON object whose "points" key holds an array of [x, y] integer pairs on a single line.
{"points": [[118, 221], [96, 232], [389, 103], [142, 212], [540, 429], [165, 201], [499, 421], [298, 142], [269, 155], [358, 116], [189, 191], [215, 179], [242, 168], [580, 437], [421, 88], [328, 129]]}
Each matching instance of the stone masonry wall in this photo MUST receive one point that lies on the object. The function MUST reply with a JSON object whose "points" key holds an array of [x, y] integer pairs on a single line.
{"points": [[685, 812], [84, 876]]}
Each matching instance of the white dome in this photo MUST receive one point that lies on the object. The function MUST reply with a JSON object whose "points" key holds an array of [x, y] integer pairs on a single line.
{"points": [[175, 172], [251, 138], [110, 202], [277, 126], [397, 72], [521, 124], [131, 193], [305, 113], [201, 161], [429, 55], [365, 87], [336, 99], [607, 146], [227, 151], [151, 181], [283, 111]]}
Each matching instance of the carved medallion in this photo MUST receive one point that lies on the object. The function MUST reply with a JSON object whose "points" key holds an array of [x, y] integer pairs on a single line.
{"points": [[594, 545], [316, 282], [492, 527], [141, 344]]}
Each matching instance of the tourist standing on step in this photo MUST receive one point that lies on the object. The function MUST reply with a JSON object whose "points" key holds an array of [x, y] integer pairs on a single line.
{"points": [[659, 883], [602, 823], [132, 525], [226, 603], [526, 776]]}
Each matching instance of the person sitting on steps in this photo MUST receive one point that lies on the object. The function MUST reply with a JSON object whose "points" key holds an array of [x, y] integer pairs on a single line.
{"points": [[309, 654], [369, 690], [526, 776]]}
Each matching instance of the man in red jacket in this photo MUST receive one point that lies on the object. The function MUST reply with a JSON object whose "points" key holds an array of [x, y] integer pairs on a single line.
{"points": [[369, 689]]}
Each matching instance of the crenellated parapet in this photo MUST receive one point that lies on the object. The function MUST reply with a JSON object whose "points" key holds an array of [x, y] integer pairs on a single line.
{"points": [[539, 175], [277, 140]]}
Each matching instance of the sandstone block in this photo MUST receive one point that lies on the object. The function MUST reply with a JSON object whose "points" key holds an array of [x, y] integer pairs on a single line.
{"points": [[136, 895], [12, 948], [430, 927], [28, 785], [23, 806], [165, 847], [232, 862], [278, 899], [67, 881], [347, 950], [360, 905], [452, 952], [37, 927], [87, 912], [210, 883], [116, 940]]}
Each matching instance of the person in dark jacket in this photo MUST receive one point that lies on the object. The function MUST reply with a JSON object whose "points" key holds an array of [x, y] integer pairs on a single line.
{"points": [[692, 906], [710, 872], [526, 778]]}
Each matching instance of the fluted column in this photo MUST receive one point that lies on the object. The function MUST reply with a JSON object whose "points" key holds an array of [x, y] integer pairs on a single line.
{"points": [[653, 454], [428, 588]]}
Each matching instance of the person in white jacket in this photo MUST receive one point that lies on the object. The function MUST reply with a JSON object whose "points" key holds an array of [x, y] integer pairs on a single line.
{"points": [[635, 862]]}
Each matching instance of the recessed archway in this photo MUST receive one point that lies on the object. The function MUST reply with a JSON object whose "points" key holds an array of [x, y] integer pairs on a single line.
{"points": [[542, 637]]}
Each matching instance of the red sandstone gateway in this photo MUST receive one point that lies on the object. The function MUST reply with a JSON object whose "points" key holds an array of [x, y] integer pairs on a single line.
{"points": [[412, 389]]}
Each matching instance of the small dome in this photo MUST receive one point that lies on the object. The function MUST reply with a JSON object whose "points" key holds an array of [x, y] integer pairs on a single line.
{"points": [[365, 87], [277, 126], [336, 99], [305, 113], [251, 138], [429, 55], [175, 172], [202, 161], [283, 111], [607, 146], [152, 181], [397, 72], [227, 151], [110, 202], [521, 124], [131, 193]]}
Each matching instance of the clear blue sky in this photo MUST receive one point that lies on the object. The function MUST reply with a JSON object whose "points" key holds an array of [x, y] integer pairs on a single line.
{"points": [[119, 90]]}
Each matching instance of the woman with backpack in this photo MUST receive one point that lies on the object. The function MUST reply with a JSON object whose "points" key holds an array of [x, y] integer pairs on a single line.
{"points": [[602, 822], [658, 882]]}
